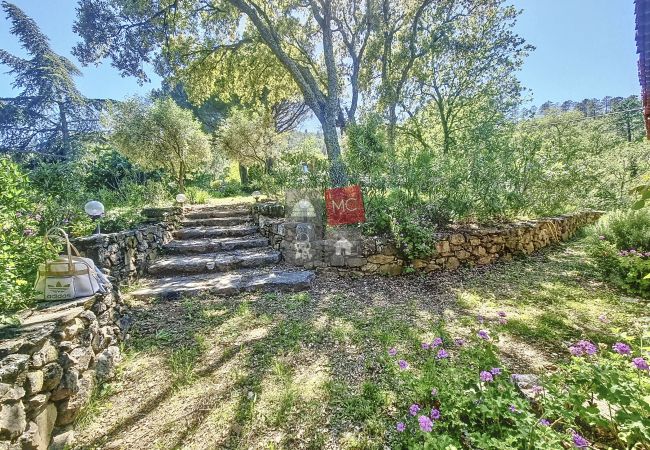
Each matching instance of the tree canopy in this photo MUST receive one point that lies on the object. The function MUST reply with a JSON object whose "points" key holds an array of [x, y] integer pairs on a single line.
{"points": [[159, 135], [49, 116], [341, 57]]}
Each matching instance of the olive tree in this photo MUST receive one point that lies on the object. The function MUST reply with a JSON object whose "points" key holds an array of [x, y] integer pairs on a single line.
{"points": [[159, 135]]}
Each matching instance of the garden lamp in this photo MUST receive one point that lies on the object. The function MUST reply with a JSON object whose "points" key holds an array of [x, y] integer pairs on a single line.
{"points": [[95, 210], [180, 198], [256, 195]]}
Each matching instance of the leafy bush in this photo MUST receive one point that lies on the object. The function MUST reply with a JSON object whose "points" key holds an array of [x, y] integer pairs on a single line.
{"points": [[228, 188], [627, 229], [454, 394], [21, 248], [197, 196], [620, 247]]}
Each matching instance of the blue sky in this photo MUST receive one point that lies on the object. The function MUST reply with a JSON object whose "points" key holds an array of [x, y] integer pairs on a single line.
{"points": [[585, 49]]}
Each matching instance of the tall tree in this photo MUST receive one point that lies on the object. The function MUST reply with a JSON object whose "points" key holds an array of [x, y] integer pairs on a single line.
{"points": [[49, 115], [161, 135]]}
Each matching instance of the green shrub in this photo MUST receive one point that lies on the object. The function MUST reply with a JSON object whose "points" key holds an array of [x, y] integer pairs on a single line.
{"points": [[196, 196], [21, 248], [627, 230], [228, 188]]}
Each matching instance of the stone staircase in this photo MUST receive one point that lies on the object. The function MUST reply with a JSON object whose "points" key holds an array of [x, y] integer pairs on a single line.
{"points": [[219, 250]]}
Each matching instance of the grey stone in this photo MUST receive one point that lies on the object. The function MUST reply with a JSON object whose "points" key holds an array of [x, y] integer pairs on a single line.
{"points": [[37, 436], [12, 366], [82, 357], [37, 402], [68, 386], [209, 232], [62, 441], [69, 407], [11, 392], [12, 420], [52, 374], [34, 383], [47, 354], [106, 363], [218, 262]]}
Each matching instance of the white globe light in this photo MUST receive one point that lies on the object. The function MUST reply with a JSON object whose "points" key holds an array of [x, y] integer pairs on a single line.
{"points": [[180, 198], [256, 194], [94, 208]]}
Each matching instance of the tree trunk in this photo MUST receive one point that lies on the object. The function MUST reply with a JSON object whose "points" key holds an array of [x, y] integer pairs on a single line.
{"points": [[243, 174], [338, 174], [268, 166], [65, 131], [181, 178]]}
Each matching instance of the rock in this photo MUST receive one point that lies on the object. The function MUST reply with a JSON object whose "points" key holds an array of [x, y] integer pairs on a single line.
{"points": [[442, 247], [419, 264], [52, 374], [10, 392], [47, 354], [106, 363], [390, 269], [69, 407], [12, 420], [82, 357], [452, 263], [34, 383], [12, 366], [462, 254], [72, 329], [381, 259], [37, 436], [62, 441], [37, 402], [456, 239], [69, 385], [369, 267]]}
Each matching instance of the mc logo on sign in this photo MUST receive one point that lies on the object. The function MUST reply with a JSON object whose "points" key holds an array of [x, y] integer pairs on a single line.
{"points": [[344, 205]]}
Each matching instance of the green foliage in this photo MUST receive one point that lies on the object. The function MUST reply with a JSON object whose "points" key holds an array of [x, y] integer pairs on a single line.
{"points": [[160, 135], [50, 115], [643, 193], [620, 247], [197, 196], [21, 248], [626, 229]]}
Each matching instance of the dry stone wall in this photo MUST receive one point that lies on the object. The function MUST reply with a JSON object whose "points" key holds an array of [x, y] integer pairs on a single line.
{"points": [[455, 247], [50, 365], [126, 255]]}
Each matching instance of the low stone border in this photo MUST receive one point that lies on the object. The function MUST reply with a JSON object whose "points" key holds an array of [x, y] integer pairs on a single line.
{"points": [[50, 365], [125, 255], [455, 247]]}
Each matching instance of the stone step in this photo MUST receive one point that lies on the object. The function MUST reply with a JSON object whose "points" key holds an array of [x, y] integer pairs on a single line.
{"points": [[213, 262], [225, 283], [210, 213], [217, 221], [214, 232], [211, 245]]}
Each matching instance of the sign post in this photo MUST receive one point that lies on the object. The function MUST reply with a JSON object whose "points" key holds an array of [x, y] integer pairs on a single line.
{"points": [[344, 205]]}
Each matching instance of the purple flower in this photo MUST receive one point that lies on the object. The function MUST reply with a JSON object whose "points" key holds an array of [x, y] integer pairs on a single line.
{"points": [[603, 318], [400, 427], [501, 313], [480, 319], [601, 237], [502, 321], [19, 214], [483, 334], [640, 363], [621, 348], [413, 409], [442, 353], [425, 346], [435, 414], [425, 423], [537, 389], [512, 409], [495, 371], [434, 392], [633, 252], [28, 232], [37, 217], [515, 377], [486, 376], [436, 342], [579, 441], [582, 348], [402, 364], [459, 342], [544, 422], [392, 351]]}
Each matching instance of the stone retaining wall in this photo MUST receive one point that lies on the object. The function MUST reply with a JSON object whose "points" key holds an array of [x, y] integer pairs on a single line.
{"points": [[126, 255], [50, 365], [348, 251]]}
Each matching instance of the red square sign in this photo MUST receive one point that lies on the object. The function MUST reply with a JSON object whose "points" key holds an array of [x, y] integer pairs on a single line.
{"points": [[344, 205]]}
